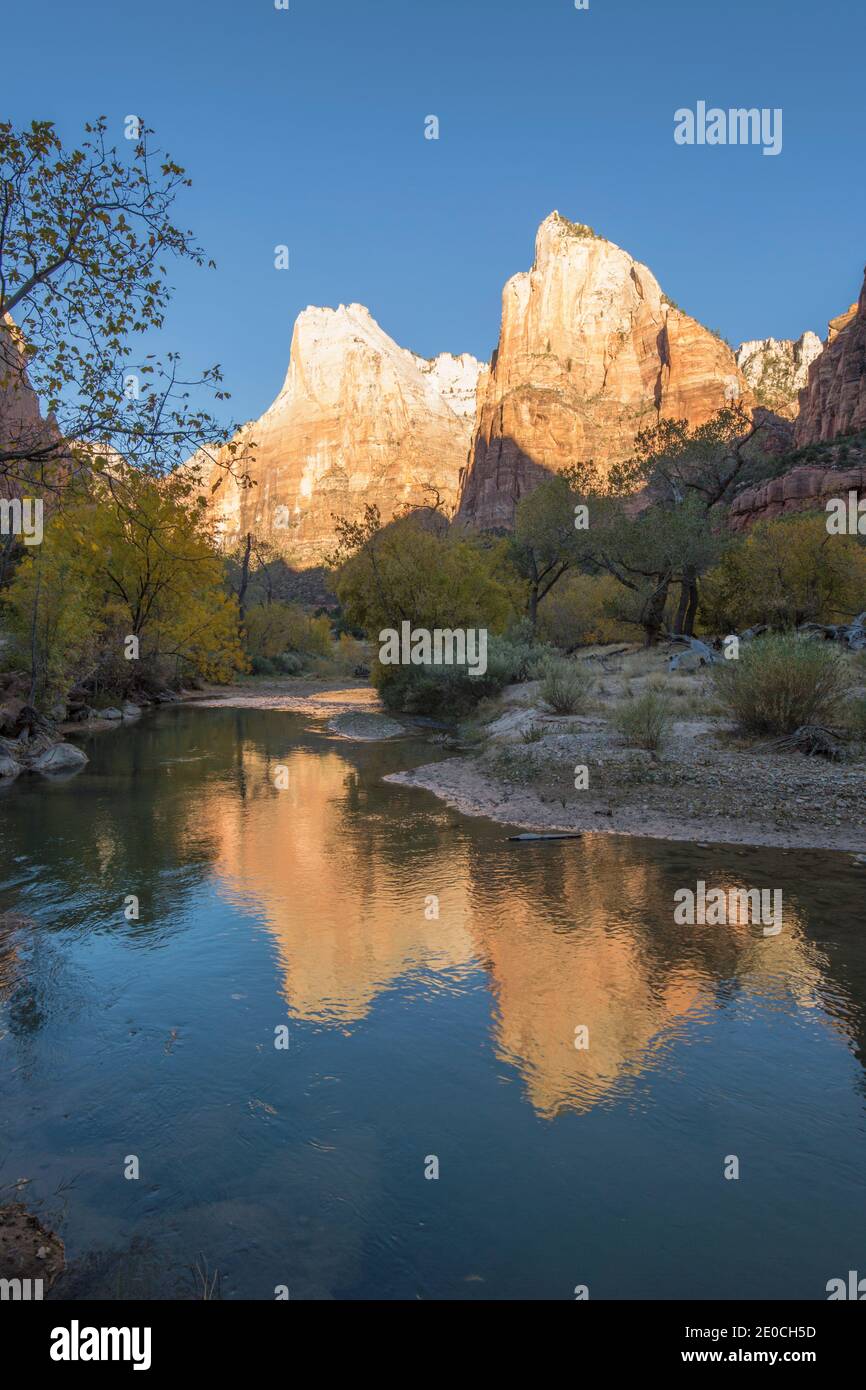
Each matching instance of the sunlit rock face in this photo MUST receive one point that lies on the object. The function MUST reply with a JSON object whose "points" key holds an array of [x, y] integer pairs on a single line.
{"points": [[359, 419], [590, 352], [833, 402], [777, 370], [23, 430]]}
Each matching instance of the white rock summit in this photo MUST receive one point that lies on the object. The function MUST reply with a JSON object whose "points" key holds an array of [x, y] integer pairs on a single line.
{"points": [[359, 419], [778, 369]]}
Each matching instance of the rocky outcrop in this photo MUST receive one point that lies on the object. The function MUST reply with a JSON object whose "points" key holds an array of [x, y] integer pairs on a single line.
{"points": [[34, 445], [590, 352], [833, 402], [358, 420], [803, 489], [777, 370]]}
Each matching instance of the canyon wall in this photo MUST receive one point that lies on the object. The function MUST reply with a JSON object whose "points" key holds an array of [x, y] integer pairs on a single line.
{"points": [[804, 489], [777, 370], [590, 352], [834, 400], [358, 420]]}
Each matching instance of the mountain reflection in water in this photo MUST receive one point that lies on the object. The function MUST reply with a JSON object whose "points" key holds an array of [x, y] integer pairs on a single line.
{"points": [[414, 1030]]}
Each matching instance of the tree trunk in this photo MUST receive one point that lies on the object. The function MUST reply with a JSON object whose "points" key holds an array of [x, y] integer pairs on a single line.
{"points": [[245, 578], [34, 645], [682, 609], [687, 608], [692, 610], [654, 612], [532, 609]]}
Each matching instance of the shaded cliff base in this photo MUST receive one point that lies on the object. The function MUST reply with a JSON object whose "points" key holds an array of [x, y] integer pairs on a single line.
{"points": [[803, 481], [707, 785]]}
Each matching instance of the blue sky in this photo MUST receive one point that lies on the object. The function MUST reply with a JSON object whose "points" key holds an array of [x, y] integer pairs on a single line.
{"points": [[306, 127]]}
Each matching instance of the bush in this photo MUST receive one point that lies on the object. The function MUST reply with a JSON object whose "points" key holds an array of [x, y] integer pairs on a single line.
{"points": [[263, 666], [453, 690], [578, 612], [855, 717], [644, 722], [289, 664], [272, 629], [781, 682], [565, 686]]}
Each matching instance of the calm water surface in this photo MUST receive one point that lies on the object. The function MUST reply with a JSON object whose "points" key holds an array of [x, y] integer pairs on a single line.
{"points": [[411, 1037]]}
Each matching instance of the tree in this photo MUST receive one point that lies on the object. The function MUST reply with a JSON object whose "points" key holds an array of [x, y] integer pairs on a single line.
{"points": [[646, 553], [546, 541], [414, 571], [84, 237], [700, 468], [120, 563], [786, 572]]}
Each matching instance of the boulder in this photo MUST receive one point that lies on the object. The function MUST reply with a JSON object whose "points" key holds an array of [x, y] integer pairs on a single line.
{"points": [[131, 711], [9, 767], [366, 727], [10, 712], [61, 757], [111, 713]]}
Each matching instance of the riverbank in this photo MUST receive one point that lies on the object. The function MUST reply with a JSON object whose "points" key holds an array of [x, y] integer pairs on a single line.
{"points": [[516, 764], [689, 798], [543, 771]]}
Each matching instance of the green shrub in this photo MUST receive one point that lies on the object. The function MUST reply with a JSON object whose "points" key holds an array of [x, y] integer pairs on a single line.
{"points": [[855, 717], [289, 664], [565, 686], [263, 666], [781, 682], [644, 722], [271, 629], [453, 690]]}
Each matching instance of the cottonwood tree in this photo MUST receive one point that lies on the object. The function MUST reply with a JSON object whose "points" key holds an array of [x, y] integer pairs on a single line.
{"points": [[546, 543], [691, 476], [134, 561], [86, 234]]}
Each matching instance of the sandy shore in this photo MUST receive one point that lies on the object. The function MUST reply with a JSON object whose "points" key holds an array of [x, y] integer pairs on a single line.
{"points": [[704, 789], [465, 784]]}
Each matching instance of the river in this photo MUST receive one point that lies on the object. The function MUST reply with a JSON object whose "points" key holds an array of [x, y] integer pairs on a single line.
{"points": [[338, 1041]]}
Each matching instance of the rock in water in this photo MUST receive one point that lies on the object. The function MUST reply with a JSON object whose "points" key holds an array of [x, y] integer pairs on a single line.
{"points": [[63, 757], [9, 768], [368, 727]]}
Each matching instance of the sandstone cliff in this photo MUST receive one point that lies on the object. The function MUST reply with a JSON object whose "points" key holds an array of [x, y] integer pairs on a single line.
{"points": [[803, 489], [834, 399], [590, 352], [31, 441], [358, 420], [777, 370]]}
